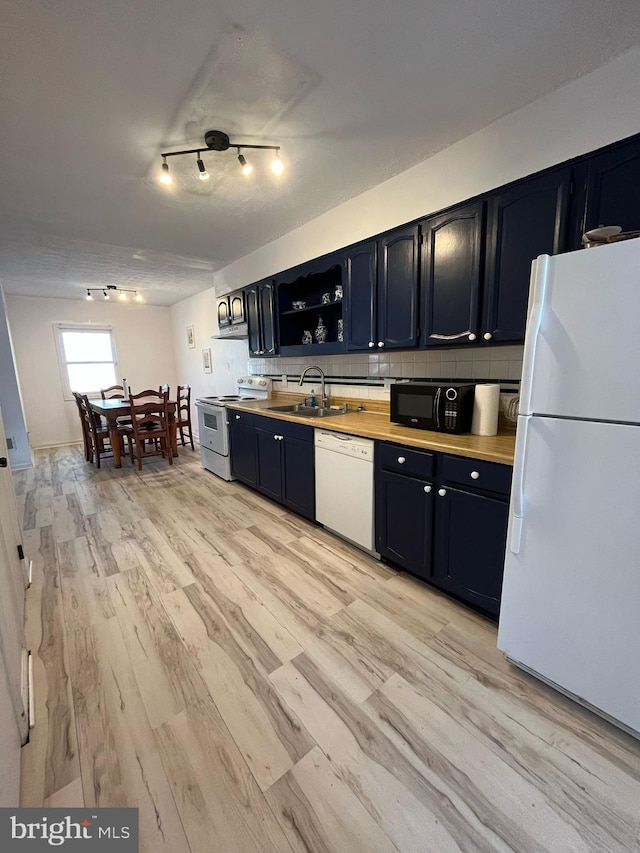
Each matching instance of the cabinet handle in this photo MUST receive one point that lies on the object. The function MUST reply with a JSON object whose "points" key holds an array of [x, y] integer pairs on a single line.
{"points": [[427, 489], [276, 437], [475, 475], [380, 343], [472, 337], [454, 337], [487, 336], [442, 492], [371, 344], [237, 417], [401, 460]]}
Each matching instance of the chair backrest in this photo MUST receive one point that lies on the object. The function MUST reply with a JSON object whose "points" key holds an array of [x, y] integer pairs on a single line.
{"points": [[164, 388], [113, 392], [89, 416], [149, 411], [184, 398]]}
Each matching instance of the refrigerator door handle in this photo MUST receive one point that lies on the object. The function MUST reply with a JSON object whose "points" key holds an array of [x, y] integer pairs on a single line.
{"points": [[517, 486], [539, 275]]}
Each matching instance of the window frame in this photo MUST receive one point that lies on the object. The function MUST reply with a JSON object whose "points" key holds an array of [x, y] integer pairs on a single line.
{"points": [[59, 329]]}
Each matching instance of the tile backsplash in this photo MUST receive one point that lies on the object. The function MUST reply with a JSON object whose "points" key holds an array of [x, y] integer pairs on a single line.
{"points": [[368, 375]]}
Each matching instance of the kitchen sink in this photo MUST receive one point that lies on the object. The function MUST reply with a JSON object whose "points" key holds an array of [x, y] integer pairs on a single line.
{"points": [[307, 411]]}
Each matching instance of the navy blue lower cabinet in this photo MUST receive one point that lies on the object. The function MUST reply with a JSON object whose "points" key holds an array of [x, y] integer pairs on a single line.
{"points": [[269, 462], [404, 521], [298, 476], [244, 450], [470, 539]]}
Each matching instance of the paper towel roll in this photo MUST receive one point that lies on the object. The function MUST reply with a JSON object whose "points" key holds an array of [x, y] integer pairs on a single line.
{"points": [[485, 410]]}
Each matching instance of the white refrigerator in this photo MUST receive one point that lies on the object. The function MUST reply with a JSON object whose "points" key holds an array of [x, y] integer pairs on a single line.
{"points": [[570, 610]]}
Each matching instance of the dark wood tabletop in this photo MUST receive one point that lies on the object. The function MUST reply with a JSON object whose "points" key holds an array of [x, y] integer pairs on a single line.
{"points": [[116, 408]]}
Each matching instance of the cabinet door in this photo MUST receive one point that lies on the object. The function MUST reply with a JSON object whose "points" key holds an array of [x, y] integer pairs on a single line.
{"points": [[360, 296], [523, 222], [450, 276], [298, 477], [253, 319], [397, 305], [243, 451], [223, 312], [404, 521], [471, 532], [267, 318], [269, 463], [236, 307], [613, 188]]}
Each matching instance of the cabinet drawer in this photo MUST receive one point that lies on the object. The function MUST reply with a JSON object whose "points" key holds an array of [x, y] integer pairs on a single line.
{"points": [[240, 418], [285, 428], [476, 472], [404, 460]]}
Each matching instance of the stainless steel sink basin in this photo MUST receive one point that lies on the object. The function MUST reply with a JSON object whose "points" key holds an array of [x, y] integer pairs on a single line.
{"points": [[306, 411]]}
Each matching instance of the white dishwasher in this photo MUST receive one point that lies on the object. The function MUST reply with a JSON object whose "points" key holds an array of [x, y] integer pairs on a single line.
{"points": [[344, 487]]}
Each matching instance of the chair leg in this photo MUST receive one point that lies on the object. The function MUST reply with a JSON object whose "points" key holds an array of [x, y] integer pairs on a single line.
{"points": [[191, 437]]}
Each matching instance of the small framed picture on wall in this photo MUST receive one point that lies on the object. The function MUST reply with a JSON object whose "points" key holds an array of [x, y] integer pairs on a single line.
{"points": [[191, 337], [206, 360]]}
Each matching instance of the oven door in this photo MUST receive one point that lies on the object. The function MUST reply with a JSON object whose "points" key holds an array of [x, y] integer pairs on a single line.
{"points": [[212, 423], [417, 405]]}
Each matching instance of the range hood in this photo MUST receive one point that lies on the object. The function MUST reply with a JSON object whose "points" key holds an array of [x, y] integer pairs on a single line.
{"points": [[236, 332]]}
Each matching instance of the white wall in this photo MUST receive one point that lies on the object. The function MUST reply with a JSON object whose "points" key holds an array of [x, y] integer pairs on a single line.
{"points": [[595, 110], [10, 400], [144, 345]]}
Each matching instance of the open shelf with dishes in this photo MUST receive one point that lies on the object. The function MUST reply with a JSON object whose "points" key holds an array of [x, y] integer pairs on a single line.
{"points": [[310, 309]]}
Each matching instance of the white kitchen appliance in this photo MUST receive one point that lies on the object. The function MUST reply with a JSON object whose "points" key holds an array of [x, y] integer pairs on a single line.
{"points": [[213, 423], [570, 609], [344, 487]]}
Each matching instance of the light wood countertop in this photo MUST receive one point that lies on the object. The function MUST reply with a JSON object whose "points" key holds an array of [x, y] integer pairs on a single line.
{"points": [[376, 424]]}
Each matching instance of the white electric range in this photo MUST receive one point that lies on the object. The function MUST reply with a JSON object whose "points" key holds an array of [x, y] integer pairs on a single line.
{"points": [[213, 423]]}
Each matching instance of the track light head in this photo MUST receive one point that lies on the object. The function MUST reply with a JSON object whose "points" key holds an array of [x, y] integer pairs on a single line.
{"points": [[247, 168], [165, 177], [106, 295], [123, 296], [204, 175], [89, 296], [277, 167], [138, 297]]}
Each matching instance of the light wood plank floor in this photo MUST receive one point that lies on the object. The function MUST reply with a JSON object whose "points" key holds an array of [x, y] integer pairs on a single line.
{"points": [[253, 684]]}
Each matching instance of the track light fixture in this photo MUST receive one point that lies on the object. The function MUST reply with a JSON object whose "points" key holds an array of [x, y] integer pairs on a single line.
{"points": [[112, 288], [217, 140]]}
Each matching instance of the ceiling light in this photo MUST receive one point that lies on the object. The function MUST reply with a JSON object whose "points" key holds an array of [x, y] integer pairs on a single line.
{"points": [[247, 168], [217, 140], [165, 177], [123, 292], [277, 166], [204, 175]]}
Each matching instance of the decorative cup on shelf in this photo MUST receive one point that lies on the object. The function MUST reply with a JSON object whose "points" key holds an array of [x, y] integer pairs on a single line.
{"points": [[337, 294], [306, 337], [321, 331], [340, 329], [299, 304], [326, 298]]}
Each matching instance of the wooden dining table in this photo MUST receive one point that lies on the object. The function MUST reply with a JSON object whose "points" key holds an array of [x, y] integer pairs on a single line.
{"points": [[113, 409]]}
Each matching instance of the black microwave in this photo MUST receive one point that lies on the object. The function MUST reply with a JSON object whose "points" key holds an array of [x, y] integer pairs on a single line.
{"points": [[427, 405]]}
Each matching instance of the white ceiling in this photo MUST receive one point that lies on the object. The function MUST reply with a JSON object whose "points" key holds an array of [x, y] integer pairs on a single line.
{"points": [[354, 93]]}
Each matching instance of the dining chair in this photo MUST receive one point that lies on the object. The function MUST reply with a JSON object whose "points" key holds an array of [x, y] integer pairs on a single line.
{"points": [[85, 429], [165, 388], [183, 414], [99, 442], [151, 431], [113, 392]]}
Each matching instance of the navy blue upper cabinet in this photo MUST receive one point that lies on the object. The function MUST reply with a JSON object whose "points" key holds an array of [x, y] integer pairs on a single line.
{"points": [[259, 300], [613, 188], [524, 221], [360, 266], [450, 276], [397, 305]]}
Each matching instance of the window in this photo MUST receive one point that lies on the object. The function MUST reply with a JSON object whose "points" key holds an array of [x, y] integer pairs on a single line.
{"points": [[87, 359]]}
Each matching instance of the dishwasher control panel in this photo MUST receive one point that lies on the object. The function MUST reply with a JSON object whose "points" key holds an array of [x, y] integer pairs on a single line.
{"points": [[347, 445]]}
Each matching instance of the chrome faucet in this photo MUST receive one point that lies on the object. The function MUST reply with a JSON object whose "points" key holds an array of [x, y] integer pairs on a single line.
{"points": [[324, 400]]}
